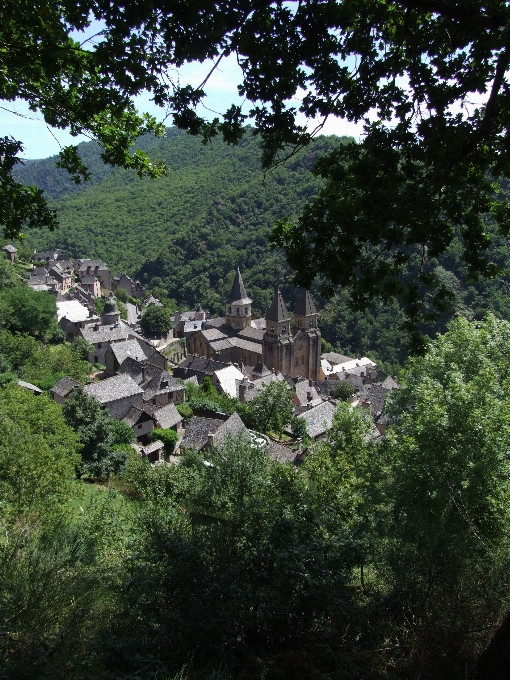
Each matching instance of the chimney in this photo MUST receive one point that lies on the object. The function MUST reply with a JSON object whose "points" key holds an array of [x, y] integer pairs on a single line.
{"points": [[96, 327], [210, 439], [309, 396], [359, 357], [144, 373], [298, 445], [242, 392]]}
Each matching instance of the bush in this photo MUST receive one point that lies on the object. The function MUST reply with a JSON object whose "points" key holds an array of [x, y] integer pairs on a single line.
{"points": [[156, 320], [168, 437], [185, 410]]}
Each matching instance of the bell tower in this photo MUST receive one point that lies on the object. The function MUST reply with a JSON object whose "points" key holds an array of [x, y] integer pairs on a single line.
{"points": [[306, 341], [238, 305], [277, 343]]}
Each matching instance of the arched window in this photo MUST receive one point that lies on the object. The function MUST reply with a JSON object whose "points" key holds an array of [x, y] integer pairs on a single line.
{"points": [[237, 310], [230, 310], [246, 310], [271, 329], [284, 329]]}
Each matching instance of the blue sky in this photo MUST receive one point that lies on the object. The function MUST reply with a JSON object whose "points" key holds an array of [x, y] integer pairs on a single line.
{"points": [[40, 141]]}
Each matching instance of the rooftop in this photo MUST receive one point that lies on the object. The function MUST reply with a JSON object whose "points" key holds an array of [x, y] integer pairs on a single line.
{"points": [[238, 295], [72, 310], [112, 389], [64, 386], [277, 311]]}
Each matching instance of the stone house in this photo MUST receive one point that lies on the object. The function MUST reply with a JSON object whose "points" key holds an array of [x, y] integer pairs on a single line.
{"points": [[91, 285], [132, 288], [140, 419], [86, 267], [63, 389], [202, 433], [155, 452], [319, 419], [134, 348], [118, 394], [159, 386], [11, 252]]}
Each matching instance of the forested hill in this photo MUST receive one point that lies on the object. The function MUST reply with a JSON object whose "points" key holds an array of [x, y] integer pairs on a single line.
{"points": [[184, 234]]}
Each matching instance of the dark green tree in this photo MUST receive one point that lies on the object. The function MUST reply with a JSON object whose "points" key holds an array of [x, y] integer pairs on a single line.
{"points": [[168, 437], [30, 311], [156, 320], [103, 439], [271, 410]]}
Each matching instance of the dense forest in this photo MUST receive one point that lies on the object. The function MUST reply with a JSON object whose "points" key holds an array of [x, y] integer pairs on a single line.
{"points": [[183, 235]]}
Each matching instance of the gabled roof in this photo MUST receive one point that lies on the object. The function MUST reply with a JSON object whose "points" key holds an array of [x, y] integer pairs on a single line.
{"points": [[260, 370], [72, 310], [168, 416], [305, 305], [111, 389], [136, 415], [227, 379], [198, 430], [319, 419], [64, 386], [238, 295], [10, 249], [130, 348], [277, 311]]}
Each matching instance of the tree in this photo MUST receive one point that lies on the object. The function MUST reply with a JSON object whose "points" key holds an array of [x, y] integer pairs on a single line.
{"points": [[424, 174], [30, 311], [38, 451], [271, 410], [446, 537], [168, 437], [156, 320], [103, 439]]}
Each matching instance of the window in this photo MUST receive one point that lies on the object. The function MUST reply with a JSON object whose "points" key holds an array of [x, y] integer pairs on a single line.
{"points": [[96, 359], [271, 329], [237, 309], [230, 310], [311, 323], [99, 345], [246, 310], [139, 426], [284, 329]]}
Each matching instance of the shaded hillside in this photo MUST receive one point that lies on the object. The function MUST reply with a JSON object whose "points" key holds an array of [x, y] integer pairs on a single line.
{"points": [[184, 234]]}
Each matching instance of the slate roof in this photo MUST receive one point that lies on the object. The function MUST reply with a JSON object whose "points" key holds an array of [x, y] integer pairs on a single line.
{"points": [[193, 380], [376, 395], [238, 295], [390, 384], [306, 393], [160, 382], [167, 416], [277, 311], [260, 370], [29, 386], [135, 415], [325, 387], [259, 323], [87, 280], [108, 333], [39, 287], [217, 322], [280, 453], [335, 358], [197, 365], [319, 419], [247, 345], [85, 264], [112, 389], [212, 334], [64, 386], [305, 305], [197, 431], [155, 446], [130, 348], [10, 249], [253, 334], [218, 345]]}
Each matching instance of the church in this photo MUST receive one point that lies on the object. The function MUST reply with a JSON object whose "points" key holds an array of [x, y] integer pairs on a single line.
{"points": [[291, 346]]}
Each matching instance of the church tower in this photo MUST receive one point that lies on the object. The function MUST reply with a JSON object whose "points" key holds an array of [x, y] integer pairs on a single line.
{"points": [[111, 314], [306, 341], [276, 343], [238, 305]]}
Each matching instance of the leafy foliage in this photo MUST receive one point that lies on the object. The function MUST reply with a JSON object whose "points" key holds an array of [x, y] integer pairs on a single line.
{"points": [[156, 320], [168, 437]]}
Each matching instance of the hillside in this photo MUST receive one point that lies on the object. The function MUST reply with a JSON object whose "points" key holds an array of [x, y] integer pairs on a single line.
{"points": [[184, 234]]}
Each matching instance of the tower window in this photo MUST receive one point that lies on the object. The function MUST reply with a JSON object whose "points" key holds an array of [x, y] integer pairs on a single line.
{"points": [[230, 310], [246, 310], [271, 329], [311, 324], [237, 309], [284, 329]]}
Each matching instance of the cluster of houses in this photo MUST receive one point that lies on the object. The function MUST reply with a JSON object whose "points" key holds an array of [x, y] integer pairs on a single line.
{"points": [[241, 356]]}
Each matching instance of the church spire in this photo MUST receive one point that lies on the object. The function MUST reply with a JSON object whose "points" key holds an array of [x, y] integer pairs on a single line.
{"points": [[278, 310], [238, 295], [238, 305], [305, 312]]}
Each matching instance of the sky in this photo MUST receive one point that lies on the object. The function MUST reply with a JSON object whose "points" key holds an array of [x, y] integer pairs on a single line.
{"points": [[41, 141]]}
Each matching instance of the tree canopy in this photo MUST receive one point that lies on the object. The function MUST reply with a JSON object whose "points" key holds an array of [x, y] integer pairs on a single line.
{"points": [[425, 173]]}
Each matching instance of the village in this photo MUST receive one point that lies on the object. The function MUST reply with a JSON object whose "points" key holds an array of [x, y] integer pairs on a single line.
{"points": [[141, 379]]}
